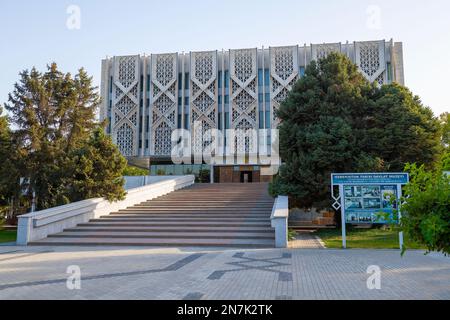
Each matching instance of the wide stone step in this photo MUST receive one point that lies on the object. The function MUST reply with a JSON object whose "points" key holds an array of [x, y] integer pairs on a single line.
{"points": [[192, 219], [176, 223], [164, 235], [244, 202], [214, 204], [192, 215], [225, 190], [237, 192], [177, 242], [195, 207], [198, 209], [211, 200], [172, 229], [181, 219]]}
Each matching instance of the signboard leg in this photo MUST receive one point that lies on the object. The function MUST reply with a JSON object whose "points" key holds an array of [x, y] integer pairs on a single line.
{"points": [[399, 196], [211, 174], [343, 219]]}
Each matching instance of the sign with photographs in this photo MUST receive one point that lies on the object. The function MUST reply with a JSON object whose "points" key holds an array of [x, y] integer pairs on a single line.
{"points": [[363, 204], [366, 198]]}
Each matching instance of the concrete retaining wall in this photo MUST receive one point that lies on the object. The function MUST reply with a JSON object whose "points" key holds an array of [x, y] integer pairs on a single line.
{"points": [[279, 221]]}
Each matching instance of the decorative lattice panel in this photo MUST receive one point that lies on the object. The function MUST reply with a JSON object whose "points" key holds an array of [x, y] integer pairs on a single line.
{"points": [[203, 93], [125, 105], [244, 96], [283, 76], [125, 139], [320, 51], [164, 102], [370, 58]]}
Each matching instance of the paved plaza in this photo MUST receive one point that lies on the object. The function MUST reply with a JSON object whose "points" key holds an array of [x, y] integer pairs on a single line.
{"points": [[194, 273], [306, 240]]}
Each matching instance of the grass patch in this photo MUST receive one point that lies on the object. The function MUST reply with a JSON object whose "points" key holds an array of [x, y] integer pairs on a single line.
{"points": [[7, 235], [365, 239]]}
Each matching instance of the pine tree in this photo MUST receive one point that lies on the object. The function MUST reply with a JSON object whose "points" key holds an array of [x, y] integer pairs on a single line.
{"points": [[9, 176], [54, 113], [96, 169]]}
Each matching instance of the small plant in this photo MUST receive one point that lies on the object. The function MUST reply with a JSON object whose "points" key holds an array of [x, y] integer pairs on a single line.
{"points": [[161, 172], [134, 171], [204, 176], [291, 234]]}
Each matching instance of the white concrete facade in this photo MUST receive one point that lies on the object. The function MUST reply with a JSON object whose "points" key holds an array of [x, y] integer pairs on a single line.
{"points": [[146, 97]]}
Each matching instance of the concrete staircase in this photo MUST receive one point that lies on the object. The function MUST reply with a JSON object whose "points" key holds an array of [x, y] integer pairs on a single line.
{"points": [[221, 215]]}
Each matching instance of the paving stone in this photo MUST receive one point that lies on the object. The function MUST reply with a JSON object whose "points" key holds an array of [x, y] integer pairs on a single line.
{"points": [[193, 296], [199, 273]]}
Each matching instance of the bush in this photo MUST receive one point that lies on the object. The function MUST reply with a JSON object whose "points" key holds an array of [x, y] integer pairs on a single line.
{"points": [[426, 211], [132, 171], [291, 234], [204, 176]]}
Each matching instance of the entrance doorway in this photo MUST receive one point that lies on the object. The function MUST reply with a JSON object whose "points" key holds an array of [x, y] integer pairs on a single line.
{"points": [[246, 176]]}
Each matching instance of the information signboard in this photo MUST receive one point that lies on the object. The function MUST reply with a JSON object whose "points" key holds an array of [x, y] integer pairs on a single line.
{"points": [[368, 198]]}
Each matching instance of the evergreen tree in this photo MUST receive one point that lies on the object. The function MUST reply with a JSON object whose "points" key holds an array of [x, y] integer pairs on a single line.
{"points": [[322, 128], [445, 121], [403, 130], [334, 120], [9, 176], [96, 169], [54, 113]]}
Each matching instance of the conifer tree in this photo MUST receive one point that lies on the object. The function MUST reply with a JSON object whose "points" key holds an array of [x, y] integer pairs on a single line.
{"points": [[55, 117], [335, 121]]}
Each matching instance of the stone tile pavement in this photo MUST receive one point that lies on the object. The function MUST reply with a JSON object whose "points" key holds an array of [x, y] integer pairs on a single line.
{"points": [[306, 240], [195, 273]]}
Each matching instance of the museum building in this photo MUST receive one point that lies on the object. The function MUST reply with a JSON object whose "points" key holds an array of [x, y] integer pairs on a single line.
{"points": [[146, 97]]}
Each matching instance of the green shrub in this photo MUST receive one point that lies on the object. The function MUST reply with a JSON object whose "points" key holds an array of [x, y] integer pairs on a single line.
{"points": [[291, 234], [426, 208], [204, 176], [134, 171]]}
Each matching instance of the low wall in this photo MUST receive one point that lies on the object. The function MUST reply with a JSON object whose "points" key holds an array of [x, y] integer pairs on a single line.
{"points": [[38, 225], [279, 221], [132, 182]]}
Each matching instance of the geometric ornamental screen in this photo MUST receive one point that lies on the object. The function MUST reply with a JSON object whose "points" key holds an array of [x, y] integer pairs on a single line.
{"points": [[125, 106]]}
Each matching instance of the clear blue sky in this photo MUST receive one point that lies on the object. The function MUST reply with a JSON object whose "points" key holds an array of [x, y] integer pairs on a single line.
{"points": [[34, 33]]}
